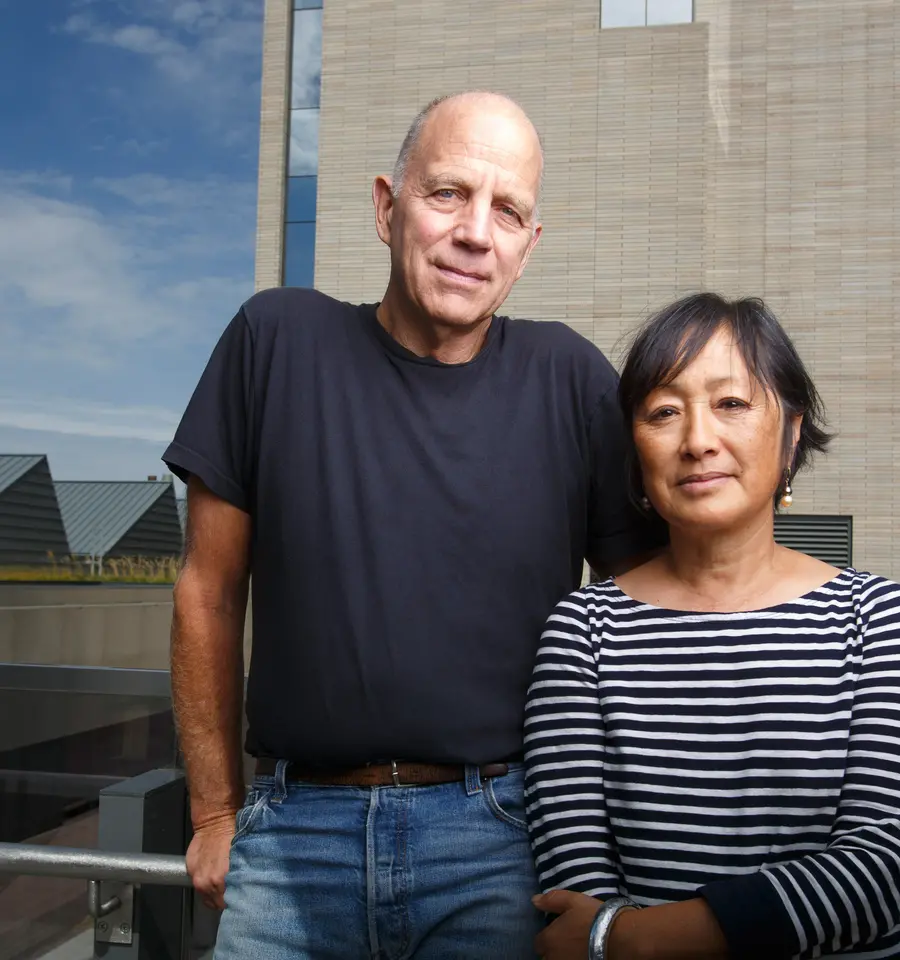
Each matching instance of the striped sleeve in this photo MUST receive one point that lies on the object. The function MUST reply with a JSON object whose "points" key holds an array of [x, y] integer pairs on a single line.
{"points": [[848, 895], [564, 742]]}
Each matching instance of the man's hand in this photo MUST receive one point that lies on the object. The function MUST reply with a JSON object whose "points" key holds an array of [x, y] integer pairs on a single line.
{"points": [[207, 860], [567, 937]]}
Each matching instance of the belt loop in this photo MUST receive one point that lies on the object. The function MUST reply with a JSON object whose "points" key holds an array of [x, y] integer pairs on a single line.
{"points": [[473, 779], [279, 788]]}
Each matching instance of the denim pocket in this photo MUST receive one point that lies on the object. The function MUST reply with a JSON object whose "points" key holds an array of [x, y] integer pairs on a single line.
{"points": [[248, 816], [506, 800]]}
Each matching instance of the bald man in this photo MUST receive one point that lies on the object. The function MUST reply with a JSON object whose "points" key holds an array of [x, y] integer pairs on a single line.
{"points": [[413, 484]]}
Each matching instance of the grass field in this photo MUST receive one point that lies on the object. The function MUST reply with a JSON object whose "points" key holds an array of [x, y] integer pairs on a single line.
{"points": [[114, 570]]}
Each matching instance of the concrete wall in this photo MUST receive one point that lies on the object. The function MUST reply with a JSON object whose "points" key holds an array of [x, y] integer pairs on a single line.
{"points": [[88, 625], [752, 152]]}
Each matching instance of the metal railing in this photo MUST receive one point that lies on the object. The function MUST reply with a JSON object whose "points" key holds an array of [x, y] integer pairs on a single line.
{"points": [[113, 915], [139, 893], [74, 863]]}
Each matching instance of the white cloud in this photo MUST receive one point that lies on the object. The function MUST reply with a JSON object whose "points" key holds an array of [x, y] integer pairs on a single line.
{"points": [[210, 52], [63, 257], [86, 419], [127, 264], [140, 39], [114, 287], [113, 294]]}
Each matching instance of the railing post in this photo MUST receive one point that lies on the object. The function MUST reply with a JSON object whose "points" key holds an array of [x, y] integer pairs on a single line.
{"points": [[145, 814]]}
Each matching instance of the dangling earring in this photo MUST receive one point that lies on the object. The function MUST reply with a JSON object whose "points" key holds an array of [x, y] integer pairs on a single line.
{"points": [[646, 504], [787, 495]]}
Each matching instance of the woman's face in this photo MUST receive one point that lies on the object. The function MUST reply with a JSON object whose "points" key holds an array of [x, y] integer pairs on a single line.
{"points": [[711, 442]]}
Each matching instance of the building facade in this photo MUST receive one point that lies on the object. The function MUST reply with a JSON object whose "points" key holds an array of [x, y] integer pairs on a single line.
{"points": [[747, 148]]}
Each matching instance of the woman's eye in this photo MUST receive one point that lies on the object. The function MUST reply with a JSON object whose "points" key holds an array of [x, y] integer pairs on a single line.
{"points": [[732, 403], [662, 414]]}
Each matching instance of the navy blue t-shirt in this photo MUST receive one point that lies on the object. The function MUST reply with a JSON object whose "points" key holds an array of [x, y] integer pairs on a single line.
{"points": [[414, 522]]}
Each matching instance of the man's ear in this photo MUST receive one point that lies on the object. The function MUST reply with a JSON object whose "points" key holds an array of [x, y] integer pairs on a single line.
{"points": [[383, 198], [532, 243]]}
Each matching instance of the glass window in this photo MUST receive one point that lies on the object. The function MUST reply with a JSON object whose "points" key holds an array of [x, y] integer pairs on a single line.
{"points": [[306, 59], [669, 11], [303, 158], [623, 13], [301, 199], [307, 4], [299, 254], [641, 13]]}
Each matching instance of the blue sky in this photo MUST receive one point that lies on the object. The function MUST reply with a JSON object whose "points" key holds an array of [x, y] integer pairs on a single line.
{"points": [[127, 218]]}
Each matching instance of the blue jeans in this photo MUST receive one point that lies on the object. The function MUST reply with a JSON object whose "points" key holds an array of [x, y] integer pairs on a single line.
{"points": [[382, 873]]}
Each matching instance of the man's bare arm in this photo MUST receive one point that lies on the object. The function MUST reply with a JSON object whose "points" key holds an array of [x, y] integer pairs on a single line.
{"points": [[207, 676]]}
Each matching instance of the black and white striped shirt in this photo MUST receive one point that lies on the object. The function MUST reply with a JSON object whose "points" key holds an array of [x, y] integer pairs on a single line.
{"points": [[749, 758]]}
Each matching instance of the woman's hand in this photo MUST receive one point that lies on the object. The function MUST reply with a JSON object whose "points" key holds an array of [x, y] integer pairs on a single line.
{"points": [[567, 936], [671, 931]]}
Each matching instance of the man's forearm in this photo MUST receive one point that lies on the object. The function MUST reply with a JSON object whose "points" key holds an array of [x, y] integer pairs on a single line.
{"points": [[207, 692]]}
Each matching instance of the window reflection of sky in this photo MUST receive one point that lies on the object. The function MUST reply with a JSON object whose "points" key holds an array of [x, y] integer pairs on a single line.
{"points": [[299, 254], [303, 149], [640, 13], [301, 202], [303, 159], [669, 11], [306, 67], [622, 13]]}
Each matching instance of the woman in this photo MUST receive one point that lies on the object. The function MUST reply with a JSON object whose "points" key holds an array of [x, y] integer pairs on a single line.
{"points": [[715, 735]]}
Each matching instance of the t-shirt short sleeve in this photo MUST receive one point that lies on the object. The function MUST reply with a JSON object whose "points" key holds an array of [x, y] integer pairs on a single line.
{"points": [[213, 439], [616, 527]]}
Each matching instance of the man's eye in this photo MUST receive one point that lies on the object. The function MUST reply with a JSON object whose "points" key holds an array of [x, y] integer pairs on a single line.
{"points": [[446, 194]]}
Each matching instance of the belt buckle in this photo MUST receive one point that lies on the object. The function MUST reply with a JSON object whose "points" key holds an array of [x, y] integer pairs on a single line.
{"points": [[395, 773]]}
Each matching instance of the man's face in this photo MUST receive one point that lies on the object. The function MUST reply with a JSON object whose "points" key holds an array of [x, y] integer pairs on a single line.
{"points": [[463, 227]]}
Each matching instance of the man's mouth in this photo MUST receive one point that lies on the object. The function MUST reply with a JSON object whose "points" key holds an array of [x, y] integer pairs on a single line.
{"points": [[460, 275]]}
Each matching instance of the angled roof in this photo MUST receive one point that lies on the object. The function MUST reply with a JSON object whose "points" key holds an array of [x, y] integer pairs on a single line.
{"points": [[16, 465], [98, 513]]}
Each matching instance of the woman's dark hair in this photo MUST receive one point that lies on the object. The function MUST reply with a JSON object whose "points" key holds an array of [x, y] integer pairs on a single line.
{"points": [[673, 337]]}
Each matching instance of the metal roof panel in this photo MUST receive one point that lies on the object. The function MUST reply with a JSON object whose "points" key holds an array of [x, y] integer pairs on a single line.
{"points": [[13, 466], [98, 513]]}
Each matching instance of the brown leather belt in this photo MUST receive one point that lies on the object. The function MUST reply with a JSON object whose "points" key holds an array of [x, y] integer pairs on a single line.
{"points": [[393, 774]]}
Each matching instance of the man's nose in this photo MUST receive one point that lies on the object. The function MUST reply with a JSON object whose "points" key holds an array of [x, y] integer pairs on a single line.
{"points": [[473, 224]]}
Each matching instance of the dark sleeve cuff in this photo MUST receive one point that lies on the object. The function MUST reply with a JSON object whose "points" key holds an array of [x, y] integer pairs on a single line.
{"points": [[183, 463], [752, 917]]}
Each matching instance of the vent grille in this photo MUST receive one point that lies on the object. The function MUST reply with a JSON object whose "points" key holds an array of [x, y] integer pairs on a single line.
{"points": [[826, 538]]}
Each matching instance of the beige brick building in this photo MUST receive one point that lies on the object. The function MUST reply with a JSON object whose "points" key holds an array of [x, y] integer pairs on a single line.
{"points": [[752, 150]]}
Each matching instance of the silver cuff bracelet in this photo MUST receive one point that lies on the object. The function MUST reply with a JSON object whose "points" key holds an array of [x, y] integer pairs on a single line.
{"points": [[603, 921]]}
